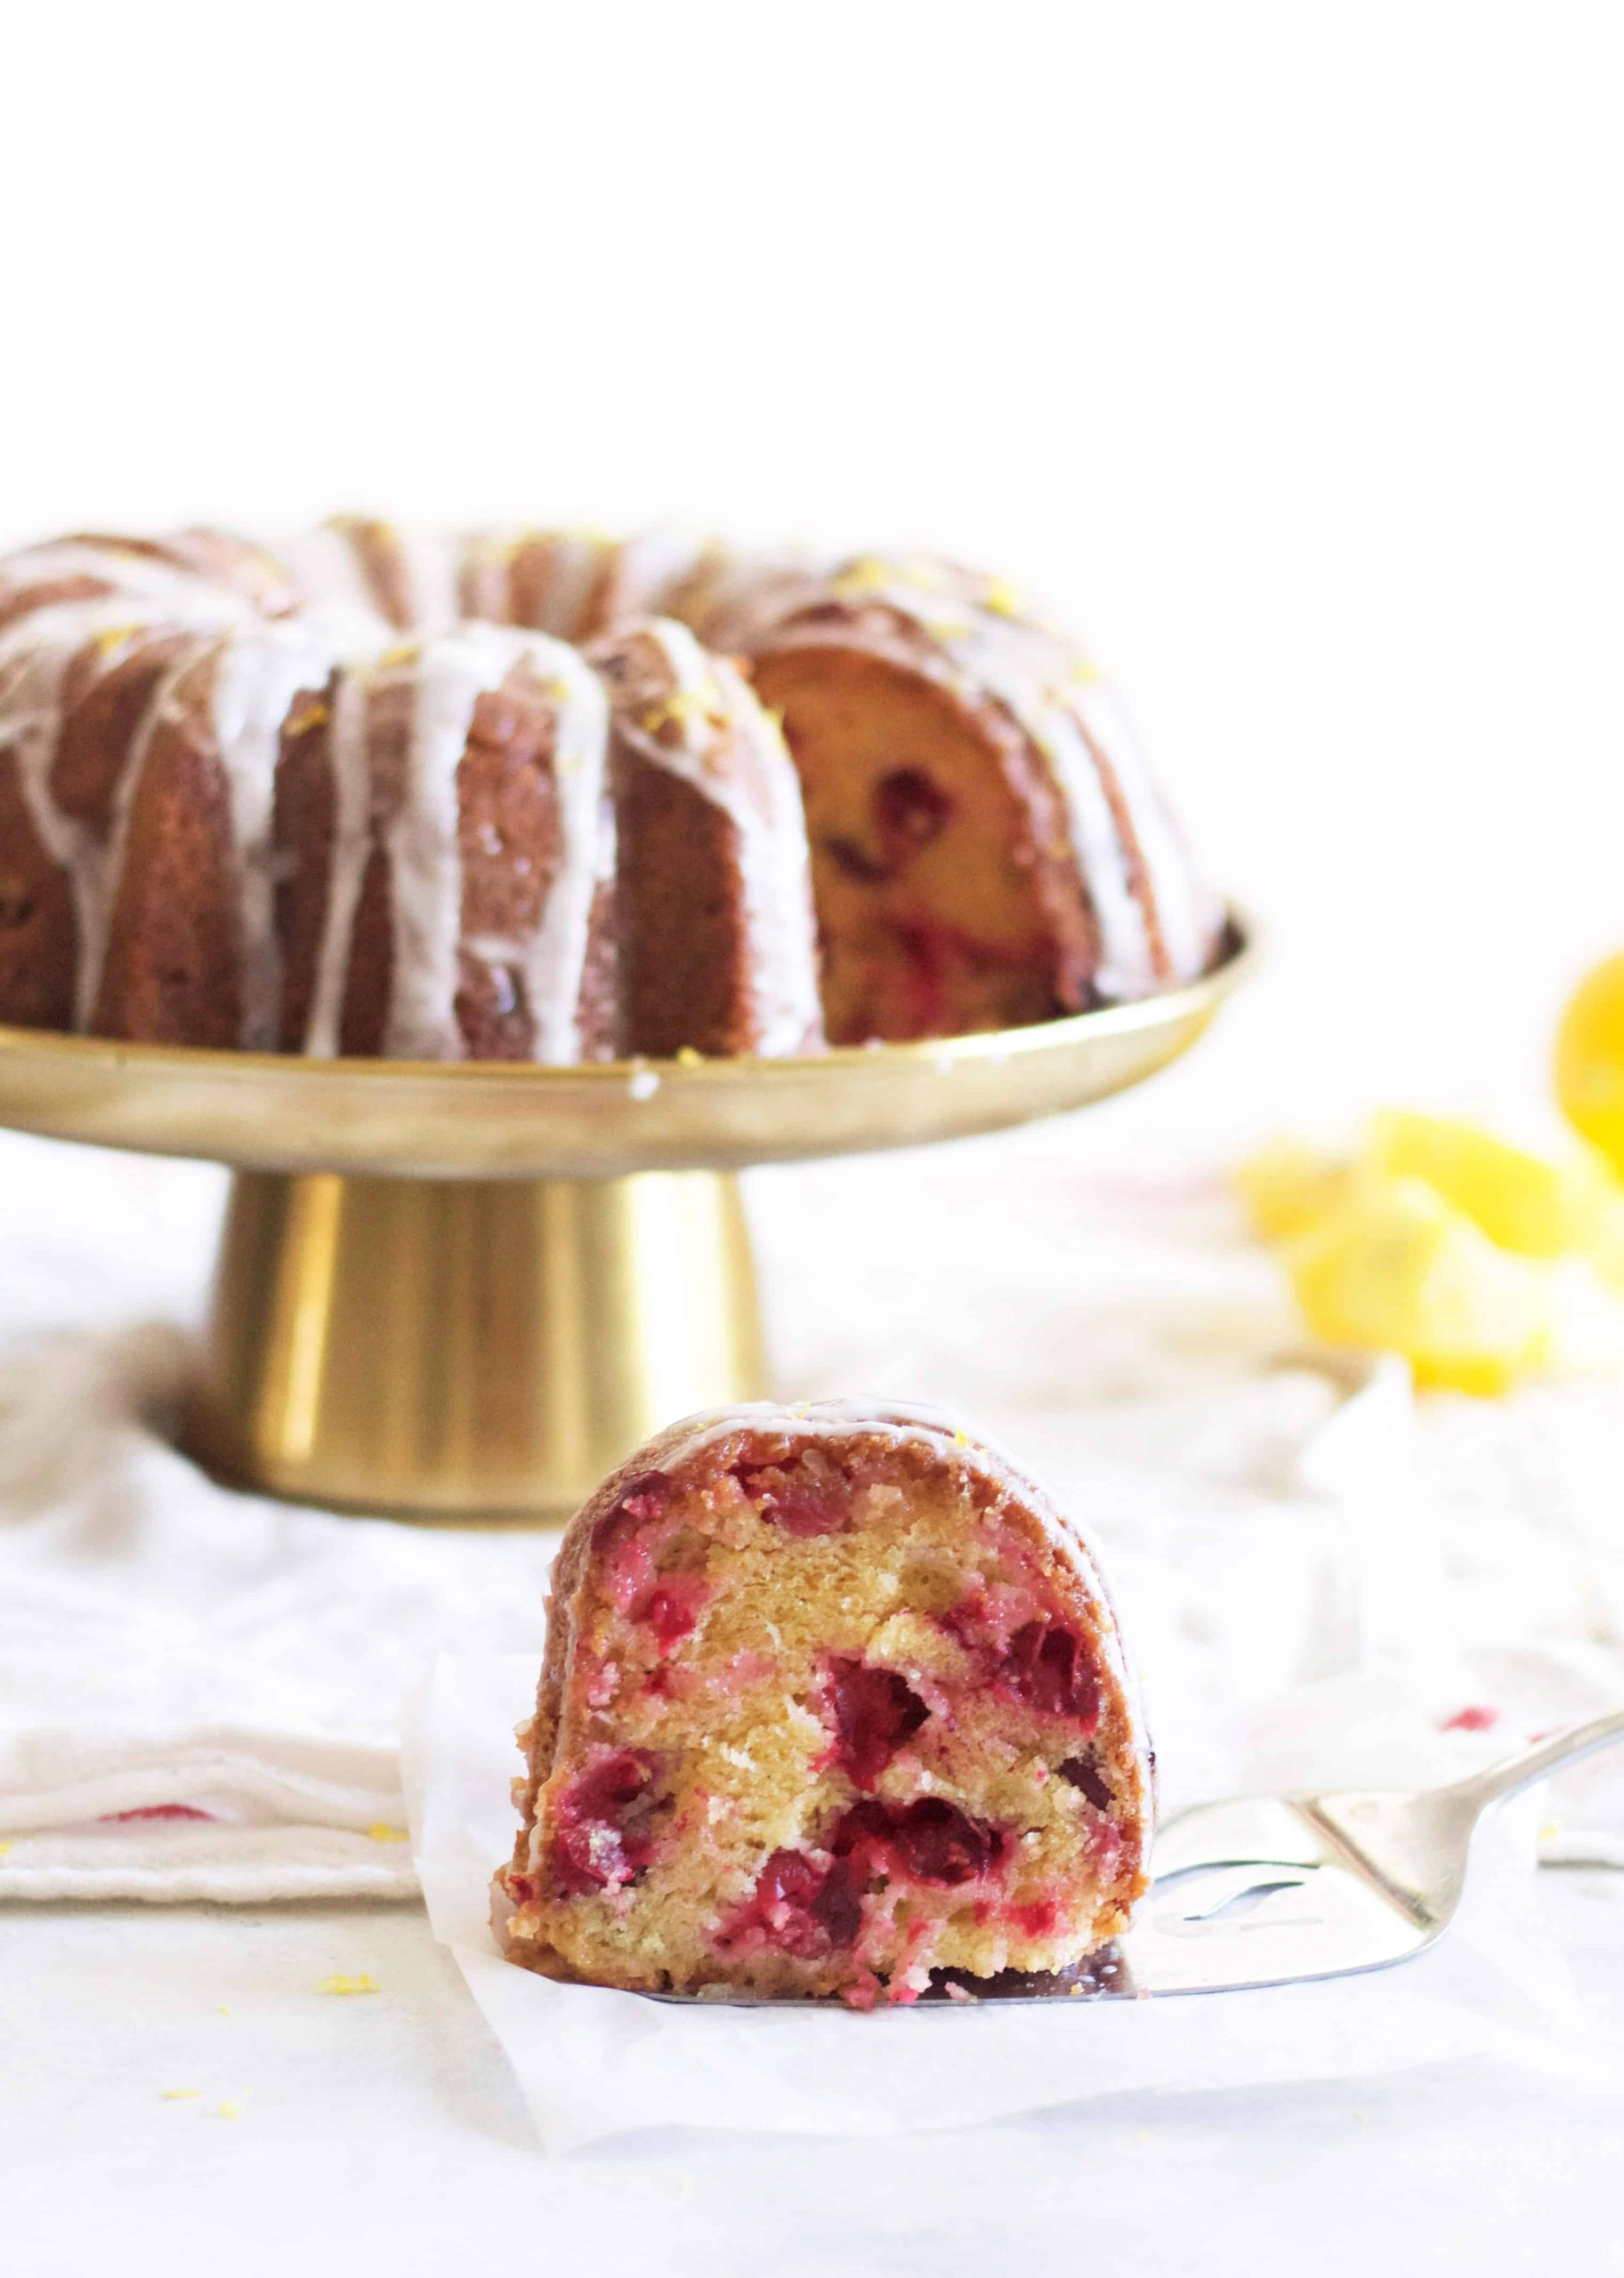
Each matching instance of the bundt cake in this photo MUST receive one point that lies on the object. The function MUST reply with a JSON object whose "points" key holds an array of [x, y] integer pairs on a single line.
{"points": [[543, 795], [832, 1699]]}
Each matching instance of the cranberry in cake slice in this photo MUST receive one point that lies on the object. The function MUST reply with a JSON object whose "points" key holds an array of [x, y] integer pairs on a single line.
{"points": [[832, 1698]]}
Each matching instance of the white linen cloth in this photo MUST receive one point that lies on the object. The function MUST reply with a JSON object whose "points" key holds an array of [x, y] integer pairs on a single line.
{"points": [[230, 1670]]}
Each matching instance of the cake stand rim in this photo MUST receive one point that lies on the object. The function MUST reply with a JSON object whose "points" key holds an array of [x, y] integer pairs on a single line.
{"points": [[96, 1076]]}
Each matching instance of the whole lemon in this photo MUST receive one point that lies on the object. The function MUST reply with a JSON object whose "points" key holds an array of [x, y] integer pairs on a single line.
{"points": [[1590, 1060]]}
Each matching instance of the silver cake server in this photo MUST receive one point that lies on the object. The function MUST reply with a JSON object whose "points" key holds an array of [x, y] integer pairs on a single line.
{"points": [[1279, 1890], [1272, 1890]]}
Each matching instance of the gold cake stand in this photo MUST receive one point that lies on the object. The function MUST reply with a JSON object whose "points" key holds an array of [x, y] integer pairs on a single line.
{"points": [[468, 1292]]}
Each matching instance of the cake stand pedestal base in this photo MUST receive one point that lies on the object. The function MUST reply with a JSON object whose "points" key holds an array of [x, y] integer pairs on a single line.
{"points": [[468, 1349]]}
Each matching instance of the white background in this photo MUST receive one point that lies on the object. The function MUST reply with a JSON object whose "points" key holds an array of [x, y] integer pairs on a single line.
{"points": [[1282, 347]]}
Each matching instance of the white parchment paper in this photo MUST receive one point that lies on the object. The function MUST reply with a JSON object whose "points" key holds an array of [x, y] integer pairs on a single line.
{"points": [[591, 2062]]}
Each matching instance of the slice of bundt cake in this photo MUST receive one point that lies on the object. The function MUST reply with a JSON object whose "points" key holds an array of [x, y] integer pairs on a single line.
{"points": [[832, 1698]]}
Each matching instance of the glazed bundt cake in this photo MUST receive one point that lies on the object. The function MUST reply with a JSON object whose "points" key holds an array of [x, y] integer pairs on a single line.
{"points": [[541, 796], [832, 1699]]}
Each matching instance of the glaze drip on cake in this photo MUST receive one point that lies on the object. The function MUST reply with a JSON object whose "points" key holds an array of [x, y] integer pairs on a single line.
{"points": [[546, 795]]}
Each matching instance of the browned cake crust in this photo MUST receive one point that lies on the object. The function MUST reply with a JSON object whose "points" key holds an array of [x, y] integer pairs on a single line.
{"points": [[683, 945], [108, 688], [388, 701], [303, 831], [173, 969], [830, 1699], [39, 931]]}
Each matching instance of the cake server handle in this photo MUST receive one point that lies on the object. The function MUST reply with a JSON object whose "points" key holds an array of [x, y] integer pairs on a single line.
{"points": [[1530, 1764]]}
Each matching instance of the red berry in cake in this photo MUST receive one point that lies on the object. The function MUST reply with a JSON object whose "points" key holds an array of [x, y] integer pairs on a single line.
{"points": [[930, 1840], [601, 1832], [910, 810], [804, 1906], [1088, 1778], [801, 1503], [1035, 1658], [875, 1712], [671, 1607], [1046, 1666]]}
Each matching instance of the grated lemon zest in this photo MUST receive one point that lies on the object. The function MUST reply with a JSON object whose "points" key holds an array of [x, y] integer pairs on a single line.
{"points": [[865, 576], [348, 1985]]}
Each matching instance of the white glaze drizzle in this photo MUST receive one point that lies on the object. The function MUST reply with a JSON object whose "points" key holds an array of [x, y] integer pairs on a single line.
{"points": [[137, 578], [430, 560], [482, 584], [648, 570], [328, 571], [552, 961], [1185, 909], [713, 705], [425, 859], [346, 757], [555, 963], [257, 674]]}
